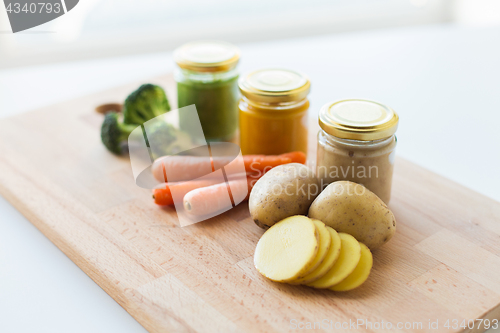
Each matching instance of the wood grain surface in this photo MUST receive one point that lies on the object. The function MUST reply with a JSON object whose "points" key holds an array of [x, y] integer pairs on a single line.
{"points": [[442, 264]]}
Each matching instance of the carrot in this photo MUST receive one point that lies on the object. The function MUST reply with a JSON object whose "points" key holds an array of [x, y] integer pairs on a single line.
{"points": [[191, 167], [210, 199], [204, 201], [180, 168], [163, 195], [296, 157], [259, 163], [251, 180]]}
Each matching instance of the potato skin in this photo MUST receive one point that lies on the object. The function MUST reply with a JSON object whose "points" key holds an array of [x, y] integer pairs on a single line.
{"points": [[351, 208], [284, 191]]}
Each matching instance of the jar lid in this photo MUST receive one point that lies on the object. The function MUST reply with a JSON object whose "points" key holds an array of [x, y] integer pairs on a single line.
{"points": [[207, 56], [274, 86], [358, 119]]}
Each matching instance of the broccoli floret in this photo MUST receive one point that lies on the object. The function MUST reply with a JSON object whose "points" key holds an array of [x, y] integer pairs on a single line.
{"points": [[164, 139], [114, 133], [145, 103], [160, 134]]}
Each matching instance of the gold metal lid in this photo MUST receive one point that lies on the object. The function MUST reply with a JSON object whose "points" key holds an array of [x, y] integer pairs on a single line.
{"points": [[274, 86], [207, 56], [358, 119]]}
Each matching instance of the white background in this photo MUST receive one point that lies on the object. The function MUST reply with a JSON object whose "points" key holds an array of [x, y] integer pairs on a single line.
{"points": [[444, 81], [97, 28]]}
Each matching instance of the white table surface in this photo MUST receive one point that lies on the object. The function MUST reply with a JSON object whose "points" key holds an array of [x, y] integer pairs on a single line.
{"points": [[444, 81]]}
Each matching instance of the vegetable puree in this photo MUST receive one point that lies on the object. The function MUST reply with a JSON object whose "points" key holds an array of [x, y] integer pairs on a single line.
{"points": [[216, 103], [371, 164], [273, 112], [271, 131], [357, 143], [207, 77]]}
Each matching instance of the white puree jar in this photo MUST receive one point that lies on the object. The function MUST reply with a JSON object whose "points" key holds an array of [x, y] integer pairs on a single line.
{"points": [[356, 142]]}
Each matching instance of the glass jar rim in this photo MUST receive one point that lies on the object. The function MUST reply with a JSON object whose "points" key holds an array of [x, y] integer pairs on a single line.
{"points": [[207, 56], [274, 85]]}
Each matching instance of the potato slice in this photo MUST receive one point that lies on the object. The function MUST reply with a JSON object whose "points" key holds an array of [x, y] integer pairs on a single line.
{"points": [[324, 245], [350, 253], [331, 257], [360, 273], [287, 249]]}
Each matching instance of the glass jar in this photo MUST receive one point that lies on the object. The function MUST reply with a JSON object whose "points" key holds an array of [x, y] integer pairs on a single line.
{"points": [[357, 143], [207, 76], [273, 112]]}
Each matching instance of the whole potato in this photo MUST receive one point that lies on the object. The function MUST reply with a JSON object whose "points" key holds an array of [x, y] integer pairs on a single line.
{"points": [[284, 191], [352, 208]]}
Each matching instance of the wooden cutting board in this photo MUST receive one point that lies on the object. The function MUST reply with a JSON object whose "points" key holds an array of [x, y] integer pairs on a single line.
{"points": [[442, 265]]}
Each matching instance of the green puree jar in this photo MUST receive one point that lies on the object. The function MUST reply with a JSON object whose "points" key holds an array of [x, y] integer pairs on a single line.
{"points": [[207, 76]]}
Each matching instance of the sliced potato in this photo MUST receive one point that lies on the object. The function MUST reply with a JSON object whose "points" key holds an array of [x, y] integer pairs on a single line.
{"points": [[324, 245], [350, 253], [287, 249], [360, 273], [331, 257]]}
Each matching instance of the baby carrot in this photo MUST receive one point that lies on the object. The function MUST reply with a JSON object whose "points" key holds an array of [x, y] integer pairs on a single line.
{"points": [[207, 200], [251, 180], [210, 199], [163, 195], [259, 163], [192, 167], [177, 168], [296, 157]]}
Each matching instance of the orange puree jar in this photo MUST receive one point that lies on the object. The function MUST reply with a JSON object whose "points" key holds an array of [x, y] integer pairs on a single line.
{"points": [[273, 112]]}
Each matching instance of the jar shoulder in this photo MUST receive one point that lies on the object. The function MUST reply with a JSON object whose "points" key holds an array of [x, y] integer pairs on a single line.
{"points": [[329, 142], [289, 108], [191, 78]]}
